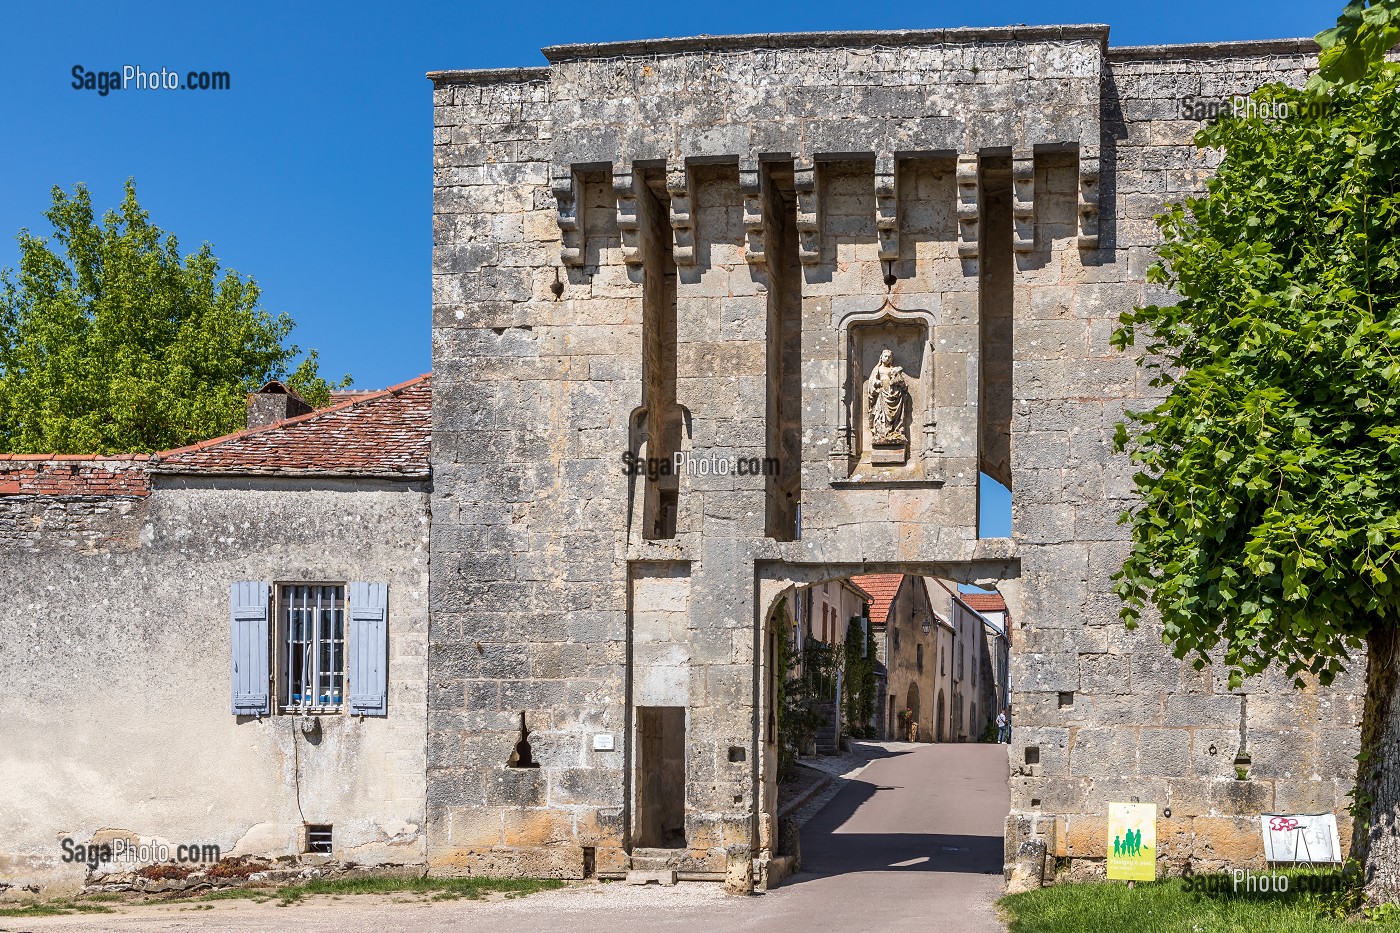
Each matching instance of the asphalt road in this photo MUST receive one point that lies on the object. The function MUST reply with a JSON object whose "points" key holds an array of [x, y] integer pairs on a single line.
{"points": [[912, 843]]}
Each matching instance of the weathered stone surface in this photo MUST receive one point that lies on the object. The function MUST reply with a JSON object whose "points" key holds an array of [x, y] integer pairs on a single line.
{"points": [[763, 207]]}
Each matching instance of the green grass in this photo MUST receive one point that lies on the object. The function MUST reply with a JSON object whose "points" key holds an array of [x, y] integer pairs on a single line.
{"points": [[437, 889], [53, 909], [230, 894], [1167, 907]]}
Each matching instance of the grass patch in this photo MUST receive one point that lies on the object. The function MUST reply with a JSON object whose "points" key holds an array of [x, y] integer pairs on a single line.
{"points": [[53, 909], [1168, 907]]}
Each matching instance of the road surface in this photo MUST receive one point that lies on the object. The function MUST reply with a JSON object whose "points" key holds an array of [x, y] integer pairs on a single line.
{"points": [[912, 843]]}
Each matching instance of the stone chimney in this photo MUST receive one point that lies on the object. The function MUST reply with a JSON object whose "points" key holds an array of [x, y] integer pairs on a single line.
{"points": [[274, 402]]}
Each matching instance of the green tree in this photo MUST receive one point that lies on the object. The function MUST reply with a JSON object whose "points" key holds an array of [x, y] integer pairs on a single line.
{"points": [[1269, 523], [110, 342]]}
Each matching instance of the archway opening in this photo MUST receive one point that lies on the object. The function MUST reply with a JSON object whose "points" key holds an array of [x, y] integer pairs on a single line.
{"points": [[897, 745]]}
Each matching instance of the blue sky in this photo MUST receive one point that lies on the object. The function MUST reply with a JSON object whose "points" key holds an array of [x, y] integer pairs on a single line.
{"points": [[313, 173]]}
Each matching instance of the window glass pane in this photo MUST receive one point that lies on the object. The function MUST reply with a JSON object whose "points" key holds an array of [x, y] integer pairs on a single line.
{"points": [[314, 646]]}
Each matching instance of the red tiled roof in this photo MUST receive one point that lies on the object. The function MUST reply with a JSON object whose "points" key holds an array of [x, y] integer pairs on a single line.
{"points": [[384, 433], [984, 602], [882, 588]]}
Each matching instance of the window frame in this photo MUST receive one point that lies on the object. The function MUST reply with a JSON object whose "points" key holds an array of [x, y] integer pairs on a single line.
{"points": [[281, 674]]}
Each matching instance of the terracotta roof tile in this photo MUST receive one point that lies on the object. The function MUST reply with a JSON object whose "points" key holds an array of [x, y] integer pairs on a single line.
{"points": [[882, 588], [984, 602], [384, 433]]}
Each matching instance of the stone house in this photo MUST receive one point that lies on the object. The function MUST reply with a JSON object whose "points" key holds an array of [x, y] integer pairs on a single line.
{"points": [[997, 637], [917, 640], [223, 646], [830, 607], [972, 685]]}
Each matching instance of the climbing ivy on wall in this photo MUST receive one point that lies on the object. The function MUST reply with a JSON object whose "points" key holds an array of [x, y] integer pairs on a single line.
{"points": [[859, 679]]}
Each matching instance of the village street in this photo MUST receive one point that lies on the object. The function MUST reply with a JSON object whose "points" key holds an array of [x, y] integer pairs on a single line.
{"points": [[912, 842]]}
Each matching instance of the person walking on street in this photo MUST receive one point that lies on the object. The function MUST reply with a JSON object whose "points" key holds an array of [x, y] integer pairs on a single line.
{"points": [[1003, 727]]}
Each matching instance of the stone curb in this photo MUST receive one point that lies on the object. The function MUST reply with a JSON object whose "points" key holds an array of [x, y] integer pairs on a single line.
{"points": [[795, 803]]}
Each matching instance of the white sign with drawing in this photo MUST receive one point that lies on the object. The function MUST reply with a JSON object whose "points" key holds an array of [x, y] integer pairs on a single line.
{"points": [[1301, 837]]}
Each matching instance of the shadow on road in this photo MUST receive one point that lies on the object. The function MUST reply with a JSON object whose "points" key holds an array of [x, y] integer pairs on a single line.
{"points": [[834, 844]]}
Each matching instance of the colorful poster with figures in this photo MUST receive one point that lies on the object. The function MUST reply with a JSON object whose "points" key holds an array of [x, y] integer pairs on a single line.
{"points": [[1132, 841]]}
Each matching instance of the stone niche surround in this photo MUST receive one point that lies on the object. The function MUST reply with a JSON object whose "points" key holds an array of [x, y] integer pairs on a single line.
{"points": [[864, 338]]}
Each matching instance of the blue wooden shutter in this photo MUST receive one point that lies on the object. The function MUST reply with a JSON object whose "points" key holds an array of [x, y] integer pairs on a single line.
{"points": [[369, 649], [249, 647]]}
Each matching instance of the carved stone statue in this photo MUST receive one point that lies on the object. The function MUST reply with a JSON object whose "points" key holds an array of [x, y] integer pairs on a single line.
{"points": [[888, 397]]}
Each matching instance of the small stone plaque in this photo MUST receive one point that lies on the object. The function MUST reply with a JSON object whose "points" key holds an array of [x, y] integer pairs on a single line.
{"points": [[603, 742], [881, 454]]}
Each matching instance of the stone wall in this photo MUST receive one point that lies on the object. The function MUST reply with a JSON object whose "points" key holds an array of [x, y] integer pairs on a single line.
{"points": [[977, 201], [1107, 713], [72, 503], [115, 718]]}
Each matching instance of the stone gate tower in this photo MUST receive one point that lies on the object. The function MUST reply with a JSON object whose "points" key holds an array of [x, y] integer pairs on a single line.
{"points": [[831, 277]]}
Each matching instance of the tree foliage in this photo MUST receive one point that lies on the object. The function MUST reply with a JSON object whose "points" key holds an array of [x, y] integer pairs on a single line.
{"points": [[1269, 475], [110, 342]]}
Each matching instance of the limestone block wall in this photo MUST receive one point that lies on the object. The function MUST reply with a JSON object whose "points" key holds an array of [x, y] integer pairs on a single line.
{"points": [[1103, 714], [529, 609], [115, 718]]}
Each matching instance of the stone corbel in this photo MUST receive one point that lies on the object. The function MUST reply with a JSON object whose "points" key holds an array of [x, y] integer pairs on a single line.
{"points": [[968, 208], [1023, 200], [1089, 196], [624, 186], [564, 183], [887, 205], [806, 181], [751, 187], [682, 192]]}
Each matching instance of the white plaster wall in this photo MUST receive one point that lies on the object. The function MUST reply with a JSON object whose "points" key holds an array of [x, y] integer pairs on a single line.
{"points": [[114, 714]]}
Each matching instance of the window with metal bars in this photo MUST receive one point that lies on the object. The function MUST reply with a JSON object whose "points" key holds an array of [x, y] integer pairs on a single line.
{"points": [[319, 839], [312, 619]]}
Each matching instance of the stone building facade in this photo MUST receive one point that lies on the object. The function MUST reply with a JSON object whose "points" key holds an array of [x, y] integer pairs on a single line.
{"points": [[705, 248], [912, 621], [130, 713]]}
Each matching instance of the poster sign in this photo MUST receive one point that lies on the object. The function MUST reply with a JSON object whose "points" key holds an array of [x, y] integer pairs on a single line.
{"points": [[1301, 837], [1132, 841]]}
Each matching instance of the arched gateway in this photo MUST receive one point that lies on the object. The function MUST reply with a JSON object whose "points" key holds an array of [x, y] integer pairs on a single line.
{"points": [[714, 317]]}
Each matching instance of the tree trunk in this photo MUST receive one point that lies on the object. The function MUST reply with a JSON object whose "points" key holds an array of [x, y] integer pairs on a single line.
{"points": [[1375, 841]]}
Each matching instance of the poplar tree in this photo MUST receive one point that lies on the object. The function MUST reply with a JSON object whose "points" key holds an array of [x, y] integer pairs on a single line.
{"points": [[111, 342]]}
